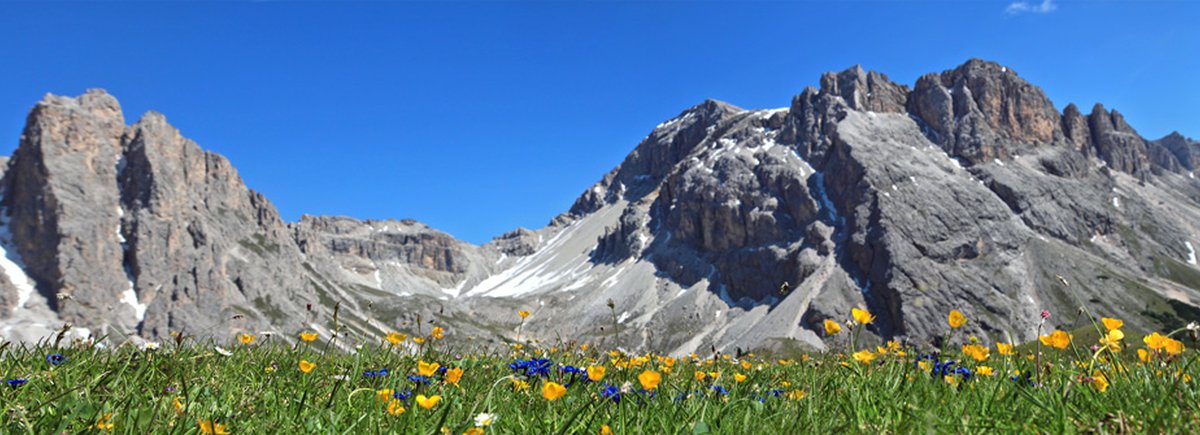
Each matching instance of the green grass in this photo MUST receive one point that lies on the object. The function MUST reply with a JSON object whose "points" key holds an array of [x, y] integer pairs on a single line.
{"points": [[260, 389]]}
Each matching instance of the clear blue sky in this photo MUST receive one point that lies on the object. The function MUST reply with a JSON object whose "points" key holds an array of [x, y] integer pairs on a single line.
{"points": [[480, 117]]}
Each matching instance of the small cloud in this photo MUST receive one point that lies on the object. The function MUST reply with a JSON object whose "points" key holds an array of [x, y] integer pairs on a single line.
{"points": [[1045, 7]]}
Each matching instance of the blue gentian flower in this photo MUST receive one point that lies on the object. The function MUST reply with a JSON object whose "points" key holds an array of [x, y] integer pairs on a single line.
{"points": [[402, 395], [719, 389], [532, 367], [56, 359], [419, 379], [375, 373], [16, 382], [611, 392]]}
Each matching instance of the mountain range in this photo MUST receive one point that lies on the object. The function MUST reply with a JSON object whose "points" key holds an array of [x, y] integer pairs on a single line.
{"points": [[724, 228]]}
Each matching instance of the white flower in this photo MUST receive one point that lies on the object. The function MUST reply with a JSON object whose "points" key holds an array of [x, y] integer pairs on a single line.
{"points": [[485, 419], [1193, 326], [341, 377], [150, 345], [223, 351]]}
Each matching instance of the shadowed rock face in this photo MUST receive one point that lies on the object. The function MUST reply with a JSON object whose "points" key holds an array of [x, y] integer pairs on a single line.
{"points": [[724, 228]]}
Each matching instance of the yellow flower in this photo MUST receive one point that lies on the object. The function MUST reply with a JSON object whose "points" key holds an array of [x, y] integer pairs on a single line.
{"points": [[595, 373], [797, 394], [396, 407], [211, 427], [583, 347], [306, 366], [428, 402], [418, 340], [385, 394], [1058, 339], [956, 319], [649, 379], [269, 369], [1173, 346], [246, 338], [1111, 324], [519, 385], [700, 375], [1004, 348], [474, 431], [523, 314], [453, 375], [1112, 340], [1099, 381], [308, 336], [103, 423], [739, 377], [605, 430], [863, 317], [864, 356], [975, 351], [984, 371], [427, 369], [553, 391], [1143, 355], [1155, 341], [437, 332], [832, 327], [395, 338], [178, 405], [924, 365], [746, 365], [953, 381]]}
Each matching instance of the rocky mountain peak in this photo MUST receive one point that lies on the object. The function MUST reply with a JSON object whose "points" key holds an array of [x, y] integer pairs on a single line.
{"points": [[865, 90]]}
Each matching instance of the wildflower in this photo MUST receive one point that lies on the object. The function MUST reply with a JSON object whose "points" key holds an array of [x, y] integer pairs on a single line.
{"points": [[306, 366], [739, 377], [396, 407], [1173, 346], [427, 369], [924, 365], [246, 339], [1099, 381], [150, 346], [1004, 348], [864, 356], [1111, 324], [1058, 339], [700, 375], [975, 351], [1155, 341], [649, 379], [863, 317], [595, 373], [553, 391], [1045, 314], [956, 319], [832, 327], [437, 332], [394, 338], [605, 430], [485, 419], [308, 336], [420, 379], [56, 359], [519, 385], [222, 351], [474, 431], [103, 423], [211, 427], [177, 403], [1143, 355], [1112, 340], [418, 340], [376, 373], [797, 394], [523, 314], [454, 375], [428, 402], [385, 394], [611, 392], [950, 379], [532, 367], [583, 347], [984, 371]]}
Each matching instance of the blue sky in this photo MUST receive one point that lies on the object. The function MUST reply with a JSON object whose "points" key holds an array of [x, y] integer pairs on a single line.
{"points": [[477, 118]]}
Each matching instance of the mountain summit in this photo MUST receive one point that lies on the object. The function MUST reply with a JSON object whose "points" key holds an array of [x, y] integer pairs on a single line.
{"points": [[724, 228]]}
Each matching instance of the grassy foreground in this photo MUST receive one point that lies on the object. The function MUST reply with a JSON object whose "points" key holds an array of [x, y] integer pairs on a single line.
{"points": [[424, 385]]}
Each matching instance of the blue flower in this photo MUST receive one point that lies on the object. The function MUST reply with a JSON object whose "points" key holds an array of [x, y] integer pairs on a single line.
{"points": [[573, 370], [16, 382], [611, 392], [719, 389], [402, 395], [380, 372], [419, 379], [532, 367], [56, 359]]}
